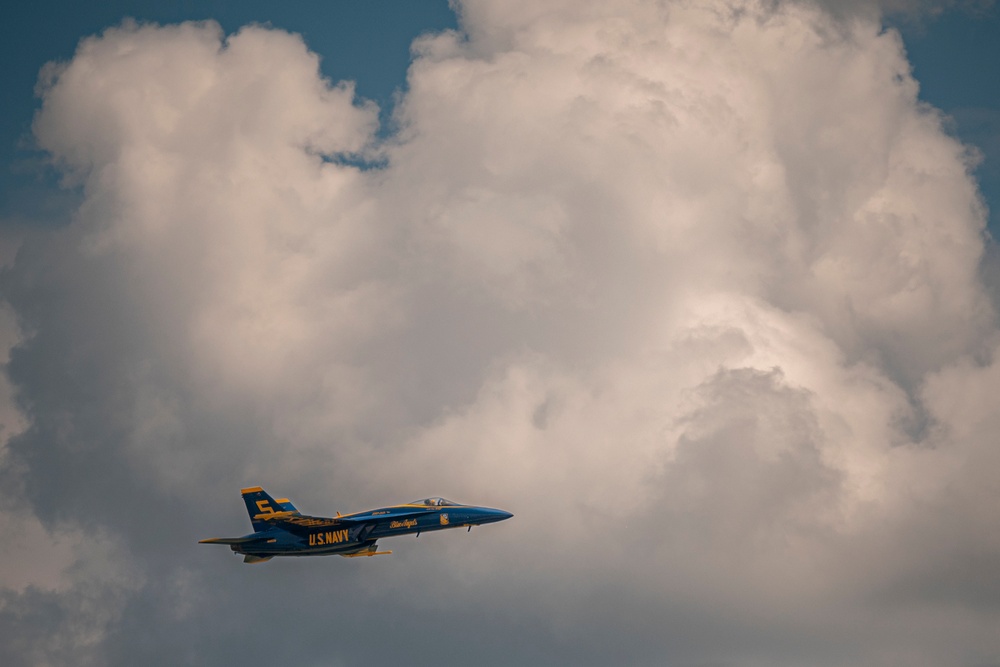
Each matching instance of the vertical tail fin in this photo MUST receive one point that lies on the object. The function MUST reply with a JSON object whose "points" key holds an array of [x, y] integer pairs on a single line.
{"points": [[286, 505], [260, 505]]}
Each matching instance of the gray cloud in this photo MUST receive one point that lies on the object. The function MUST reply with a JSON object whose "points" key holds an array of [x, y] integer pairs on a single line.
{"points": [[696, 293]]}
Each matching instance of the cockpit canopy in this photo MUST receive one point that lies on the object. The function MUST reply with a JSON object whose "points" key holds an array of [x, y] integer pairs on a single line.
{"points": [[434, 502]]}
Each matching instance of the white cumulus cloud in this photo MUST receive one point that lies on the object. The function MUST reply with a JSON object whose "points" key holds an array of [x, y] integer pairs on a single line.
{"points": [[691, 288]]}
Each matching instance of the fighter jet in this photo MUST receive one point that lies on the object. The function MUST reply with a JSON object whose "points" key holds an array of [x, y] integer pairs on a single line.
{"points": [[281, 530]]}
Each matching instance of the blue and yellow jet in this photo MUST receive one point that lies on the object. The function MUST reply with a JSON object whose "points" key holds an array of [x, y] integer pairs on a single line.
{"points": [[280, 530]]}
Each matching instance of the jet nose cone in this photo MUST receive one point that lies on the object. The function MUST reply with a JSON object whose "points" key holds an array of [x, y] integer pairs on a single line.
{"points": [[497, 515], [481, 515]]}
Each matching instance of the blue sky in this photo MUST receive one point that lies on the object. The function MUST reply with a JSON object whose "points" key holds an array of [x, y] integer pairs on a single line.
{"points": [[365, 42], [697, 290], [954, 56]]}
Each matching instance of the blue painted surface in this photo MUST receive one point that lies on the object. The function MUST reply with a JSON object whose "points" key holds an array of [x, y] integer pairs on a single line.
{"points": [[280, 530]]}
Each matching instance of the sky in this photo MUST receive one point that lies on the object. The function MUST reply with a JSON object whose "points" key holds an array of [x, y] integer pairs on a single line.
{"points": [[703, 292]]}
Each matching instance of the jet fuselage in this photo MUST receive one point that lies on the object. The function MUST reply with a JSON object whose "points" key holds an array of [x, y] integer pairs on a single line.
{"points": [[281, 530]]}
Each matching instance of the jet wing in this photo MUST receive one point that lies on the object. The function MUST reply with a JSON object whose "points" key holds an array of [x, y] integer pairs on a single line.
{"points": [[249, 539]]}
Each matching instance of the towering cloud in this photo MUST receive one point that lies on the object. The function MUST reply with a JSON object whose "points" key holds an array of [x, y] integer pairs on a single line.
{"points": [[690, 287]]}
